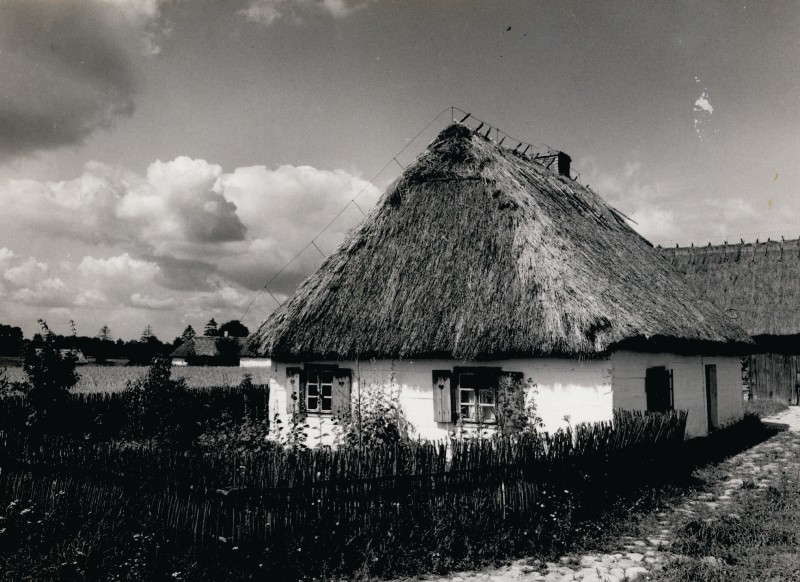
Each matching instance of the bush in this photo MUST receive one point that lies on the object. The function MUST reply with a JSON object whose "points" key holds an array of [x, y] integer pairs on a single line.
{"points": [[50, 376], [376, 417], [161, 407]]}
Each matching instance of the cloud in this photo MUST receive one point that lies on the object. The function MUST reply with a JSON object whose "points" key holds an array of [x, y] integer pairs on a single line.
{"points": [[147, 302], [5, 255], [51, 292], [26, 274], [184, 237], [266, 12], [68, 68], [109, 281]]}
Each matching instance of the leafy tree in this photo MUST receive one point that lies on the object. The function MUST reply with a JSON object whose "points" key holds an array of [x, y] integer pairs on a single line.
{"points": [[228, 351], [161, 407], [146, 334], [104, 334], [11, 340], [188, 333], [235, 328], [50, 376], [211, 328]]}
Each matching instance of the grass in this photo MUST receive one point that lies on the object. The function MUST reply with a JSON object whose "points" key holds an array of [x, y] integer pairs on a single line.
{"points": [[114, 378], [764, 407], [755, 539]]}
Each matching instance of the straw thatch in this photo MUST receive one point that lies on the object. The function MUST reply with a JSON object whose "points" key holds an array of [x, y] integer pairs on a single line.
{"points": [[757, 284], [476, 252], [208, 347]]}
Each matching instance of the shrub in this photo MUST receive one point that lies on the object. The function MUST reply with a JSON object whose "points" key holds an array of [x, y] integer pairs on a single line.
{"points": [[516, 407], [50, 376], [249, 432], [376, 417], [161, 407]]}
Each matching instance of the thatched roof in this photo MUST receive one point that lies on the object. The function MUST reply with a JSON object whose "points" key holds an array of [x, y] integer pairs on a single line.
{"points": [[757, 284], [477, 252], [208, 347]]}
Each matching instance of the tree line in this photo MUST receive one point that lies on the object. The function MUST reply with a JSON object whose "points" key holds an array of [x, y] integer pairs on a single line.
{"points": [[103, 346]]}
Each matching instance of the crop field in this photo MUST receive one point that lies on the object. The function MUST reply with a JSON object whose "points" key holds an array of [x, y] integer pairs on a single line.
{"points": [[115, 378]]}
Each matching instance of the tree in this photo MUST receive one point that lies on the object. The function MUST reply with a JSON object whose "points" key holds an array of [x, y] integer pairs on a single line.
{"points": [[104, 346], [211, 328], [10, 340], [146, 334], [188, 333], [104, 335], [235, 328]]}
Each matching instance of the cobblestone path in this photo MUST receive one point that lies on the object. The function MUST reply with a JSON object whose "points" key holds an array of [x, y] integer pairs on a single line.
{"points": [[745, 474]]}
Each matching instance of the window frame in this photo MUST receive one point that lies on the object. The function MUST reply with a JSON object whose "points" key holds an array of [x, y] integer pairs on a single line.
{"points": [[316, 370], [487, 380], [651, 392]]}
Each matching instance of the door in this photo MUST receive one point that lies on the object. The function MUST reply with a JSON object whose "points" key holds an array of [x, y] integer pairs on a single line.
{"points": [[711, 397]]}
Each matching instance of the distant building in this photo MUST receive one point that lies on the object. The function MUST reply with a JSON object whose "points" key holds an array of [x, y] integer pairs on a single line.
{"points": [[758, 286], [76, 353], [216, 351]]}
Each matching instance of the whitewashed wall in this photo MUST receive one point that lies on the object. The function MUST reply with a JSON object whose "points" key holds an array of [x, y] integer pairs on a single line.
{"points": [[580, 390], [688, 373], [255, 362]]}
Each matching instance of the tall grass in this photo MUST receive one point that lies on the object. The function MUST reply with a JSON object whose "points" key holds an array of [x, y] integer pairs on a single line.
{"points": [[115, 378]]}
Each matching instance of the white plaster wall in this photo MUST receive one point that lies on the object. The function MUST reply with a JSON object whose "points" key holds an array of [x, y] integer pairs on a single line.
{"points": [[579, 389], [688, 373], [255, 362]]}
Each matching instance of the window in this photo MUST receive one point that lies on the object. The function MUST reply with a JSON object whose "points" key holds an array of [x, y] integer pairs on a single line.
{"points": [[477, 391], [319, 391], [658, 387]]}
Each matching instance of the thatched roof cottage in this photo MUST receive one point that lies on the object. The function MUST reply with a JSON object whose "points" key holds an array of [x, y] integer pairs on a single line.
{"points": [[480, 263], [758, 286], [217, 351]]}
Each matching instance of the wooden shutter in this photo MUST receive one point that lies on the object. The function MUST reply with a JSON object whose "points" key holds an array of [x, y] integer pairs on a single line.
{"points": [[442, 396], [341, 392], [295, 392]]}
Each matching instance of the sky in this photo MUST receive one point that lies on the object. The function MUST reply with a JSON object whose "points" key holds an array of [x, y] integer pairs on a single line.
{"points": [[161, 160]]}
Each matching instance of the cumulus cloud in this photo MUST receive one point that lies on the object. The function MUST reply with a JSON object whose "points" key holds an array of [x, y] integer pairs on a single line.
{"points": [[183, 237], [68, 68], [50, 292], [28, 273], [147, 302], [266, 12]]}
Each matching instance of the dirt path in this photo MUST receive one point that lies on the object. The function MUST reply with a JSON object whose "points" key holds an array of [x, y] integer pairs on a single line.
{"points": [[746, 474]]}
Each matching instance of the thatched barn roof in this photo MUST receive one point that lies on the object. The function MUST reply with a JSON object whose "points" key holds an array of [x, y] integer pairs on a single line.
{"points": [[756, 284], [208, 347], [478, 252]]}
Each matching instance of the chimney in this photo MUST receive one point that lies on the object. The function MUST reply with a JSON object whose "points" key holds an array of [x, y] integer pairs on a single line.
{"points": [[563, 164]]}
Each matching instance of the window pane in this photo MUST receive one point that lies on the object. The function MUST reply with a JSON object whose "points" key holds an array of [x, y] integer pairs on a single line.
{"points": [[326, 377], [326, 390], [312, 378], [312, 389], [468, 412], [467, 396], [326, 404], [487, 397], [487, 414], [312, 403]]}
